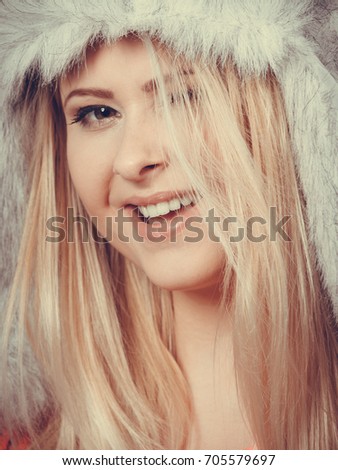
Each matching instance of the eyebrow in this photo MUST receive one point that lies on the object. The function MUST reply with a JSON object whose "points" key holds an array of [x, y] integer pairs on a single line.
{"points": [[98, 92], [147, 87], [152, 84]]}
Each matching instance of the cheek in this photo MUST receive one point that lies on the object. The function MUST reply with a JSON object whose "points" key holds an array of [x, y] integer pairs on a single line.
{"points": [[90, 168]]}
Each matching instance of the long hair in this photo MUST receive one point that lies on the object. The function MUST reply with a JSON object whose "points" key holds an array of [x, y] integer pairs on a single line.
{"points": [[102, 333]]}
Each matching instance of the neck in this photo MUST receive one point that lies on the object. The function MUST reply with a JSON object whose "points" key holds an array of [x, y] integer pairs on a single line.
{"points": [[199, 323], [204, 352]]}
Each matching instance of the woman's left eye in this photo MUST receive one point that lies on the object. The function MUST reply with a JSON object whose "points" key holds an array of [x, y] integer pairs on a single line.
{"points": [[188, 95], [95, 116]]}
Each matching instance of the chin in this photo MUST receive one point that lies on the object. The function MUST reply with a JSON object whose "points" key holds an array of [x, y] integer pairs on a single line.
{"points": [[180, 266], [183, 280]]}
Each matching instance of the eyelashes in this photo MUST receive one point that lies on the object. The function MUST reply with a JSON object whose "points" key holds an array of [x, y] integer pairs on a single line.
{"points": [[189, 95], [99, 116], [95, 116]]}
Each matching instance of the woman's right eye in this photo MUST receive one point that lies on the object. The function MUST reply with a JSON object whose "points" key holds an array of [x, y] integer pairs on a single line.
{"points": [[95, 117]]}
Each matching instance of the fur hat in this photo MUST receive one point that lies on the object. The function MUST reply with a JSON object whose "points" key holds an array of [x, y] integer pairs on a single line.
{"points": [[294, 38]]}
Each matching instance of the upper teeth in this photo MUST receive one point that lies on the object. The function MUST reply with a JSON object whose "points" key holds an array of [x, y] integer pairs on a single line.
{"points": [[163, 208]]}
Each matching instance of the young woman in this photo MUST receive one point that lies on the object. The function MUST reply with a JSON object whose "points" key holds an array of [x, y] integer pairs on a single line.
{"points": [[168, 173]]}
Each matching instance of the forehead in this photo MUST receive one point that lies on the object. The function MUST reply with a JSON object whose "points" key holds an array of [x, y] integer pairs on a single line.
{"points": [[127, 59]]}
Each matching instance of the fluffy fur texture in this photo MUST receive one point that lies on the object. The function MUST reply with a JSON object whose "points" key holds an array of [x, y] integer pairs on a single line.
{"points": [[294, 38]]}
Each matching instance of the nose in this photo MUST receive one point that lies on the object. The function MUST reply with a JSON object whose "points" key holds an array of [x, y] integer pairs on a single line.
{"points": [[141, 151]]}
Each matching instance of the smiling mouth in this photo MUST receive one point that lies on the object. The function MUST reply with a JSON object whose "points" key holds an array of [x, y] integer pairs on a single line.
{"points": [[166, 210]]}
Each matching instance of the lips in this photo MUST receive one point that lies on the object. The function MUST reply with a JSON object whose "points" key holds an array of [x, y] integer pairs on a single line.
{"points": [[160, 204], [163, 196]]}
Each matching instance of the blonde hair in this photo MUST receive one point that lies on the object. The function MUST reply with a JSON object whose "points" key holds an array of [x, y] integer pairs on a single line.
{"points": [[108, 356]]}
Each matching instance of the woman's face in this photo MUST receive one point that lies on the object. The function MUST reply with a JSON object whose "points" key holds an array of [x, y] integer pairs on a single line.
{"points": [[118, 157]]}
